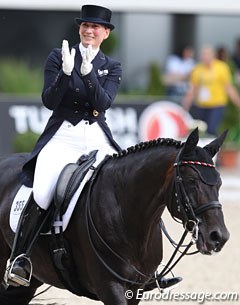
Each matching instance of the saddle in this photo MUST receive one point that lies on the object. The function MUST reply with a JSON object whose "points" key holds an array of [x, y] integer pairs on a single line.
{"points": [[70, 179]]}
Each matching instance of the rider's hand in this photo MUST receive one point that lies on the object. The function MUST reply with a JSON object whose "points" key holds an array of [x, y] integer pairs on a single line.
{"points": [[67, 58], [88, 56]]}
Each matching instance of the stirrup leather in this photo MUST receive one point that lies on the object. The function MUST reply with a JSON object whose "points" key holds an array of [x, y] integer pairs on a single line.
{"points": [[12, 277]]}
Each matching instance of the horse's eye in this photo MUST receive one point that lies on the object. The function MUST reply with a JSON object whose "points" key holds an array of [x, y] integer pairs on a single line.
{"points": [[192, 180]]}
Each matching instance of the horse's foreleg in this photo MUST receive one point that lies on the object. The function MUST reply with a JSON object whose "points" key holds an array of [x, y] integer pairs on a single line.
{"points": [[132, 298], [18, 295], [4, 255], [113, 294], [133, 301]]}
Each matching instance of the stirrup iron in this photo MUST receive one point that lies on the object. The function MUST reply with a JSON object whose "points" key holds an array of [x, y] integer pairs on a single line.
{"points": [[17, 279]]}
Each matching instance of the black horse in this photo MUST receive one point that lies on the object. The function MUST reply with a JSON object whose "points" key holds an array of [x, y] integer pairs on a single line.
{"points": [[114, 234]]}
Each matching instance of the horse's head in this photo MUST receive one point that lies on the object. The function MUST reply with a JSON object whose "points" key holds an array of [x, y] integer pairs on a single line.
{"points": [[197, 184]]}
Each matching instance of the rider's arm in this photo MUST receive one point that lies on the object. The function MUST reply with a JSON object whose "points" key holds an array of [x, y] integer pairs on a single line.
{"points": [[102, 92], [55, 81]]}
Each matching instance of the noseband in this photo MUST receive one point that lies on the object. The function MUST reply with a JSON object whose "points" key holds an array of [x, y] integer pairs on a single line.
{"points": [[184, 206]]}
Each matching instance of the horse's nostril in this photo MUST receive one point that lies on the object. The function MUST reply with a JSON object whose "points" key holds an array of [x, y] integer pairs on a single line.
{"points": [[215, 236]]}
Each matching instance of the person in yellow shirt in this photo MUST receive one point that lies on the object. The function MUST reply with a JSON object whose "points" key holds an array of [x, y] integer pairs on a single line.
{"points": [[210, 86]]}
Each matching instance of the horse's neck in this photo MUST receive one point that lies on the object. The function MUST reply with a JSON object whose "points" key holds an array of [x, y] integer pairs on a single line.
{"points": [[143, 182], [129, 197]]}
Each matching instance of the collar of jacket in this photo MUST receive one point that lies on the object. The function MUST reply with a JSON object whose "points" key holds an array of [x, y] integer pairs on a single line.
{"points": [[83, 50], [97, 62]]}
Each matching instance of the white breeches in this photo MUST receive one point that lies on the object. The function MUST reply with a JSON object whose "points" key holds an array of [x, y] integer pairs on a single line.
{"points": [[66, 146]]}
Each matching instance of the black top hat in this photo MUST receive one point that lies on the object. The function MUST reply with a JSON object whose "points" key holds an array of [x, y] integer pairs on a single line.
{"points": [[96, 14]]}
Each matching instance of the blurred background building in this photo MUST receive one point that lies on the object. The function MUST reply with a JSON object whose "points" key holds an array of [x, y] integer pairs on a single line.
{"points": [[147, 32]]}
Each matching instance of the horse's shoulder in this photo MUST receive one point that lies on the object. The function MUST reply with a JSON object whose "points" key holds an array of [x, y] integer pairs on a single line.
{"points": [[10, 169], [15, 161]]}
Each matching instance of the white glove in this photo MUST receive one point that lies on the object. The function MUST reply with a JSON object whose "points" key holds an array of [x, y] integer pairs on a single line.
{"points": [[67, 58], [86, 66]]}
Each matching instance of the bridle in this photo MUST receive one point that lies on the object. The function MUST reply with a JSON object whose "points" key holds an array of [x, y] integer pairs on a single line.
{"points": [[184, 206], [188, 213]]}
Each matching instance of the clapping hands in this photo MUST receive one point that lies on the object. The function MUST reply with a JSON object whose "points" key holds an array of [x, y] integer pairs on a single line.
{"points": [[88, 56], [67, 58]]}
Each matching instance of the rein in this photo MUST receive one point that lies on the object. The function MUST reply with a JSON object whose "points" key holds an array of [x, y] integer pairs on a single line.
{"points": [[90, 223]]}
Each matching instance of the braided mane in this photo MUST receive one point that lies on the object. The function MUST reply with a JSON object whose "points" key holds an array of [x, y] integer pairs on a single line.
{"points": [[146, 145]]}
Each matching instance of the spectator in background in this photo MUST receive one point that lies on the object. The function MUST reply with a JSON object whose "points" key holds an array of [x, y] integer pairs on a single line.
{"points": [[178, 69], [210, 86]]}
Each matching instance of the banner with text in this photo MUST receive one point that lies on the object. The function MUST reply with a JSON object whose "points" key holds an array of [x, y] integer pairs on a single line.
{"points": [[130, 122]]}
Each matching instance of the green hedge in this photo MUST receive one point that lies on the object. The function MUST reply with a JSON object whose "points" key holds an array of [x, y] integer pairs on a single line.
{"points": [[24, 142], [109, 45], [155, 83], [18, 77], [231, 122]]}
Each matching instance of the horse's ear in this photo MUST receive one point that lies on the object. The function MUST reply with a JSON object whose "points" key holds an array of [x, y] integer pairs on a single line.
{"points": [[213, 147], [191, 142]]}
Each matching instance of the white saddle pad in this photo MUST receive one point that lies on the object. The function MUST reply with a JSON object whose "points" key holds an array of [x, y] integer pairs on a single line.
{"points": [[24, 193]]}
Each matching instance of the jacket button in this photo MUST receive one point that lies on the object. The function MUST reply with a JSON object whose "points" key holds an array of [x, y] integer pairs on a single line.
{"points": [[85, 113], [95, 113], [75, 103], [77, 89], [76, 111]]}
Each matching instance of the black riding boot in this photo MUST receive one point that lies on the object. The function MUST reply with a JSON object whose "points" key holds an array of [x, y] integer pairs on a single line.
{"points": [[30, 225]]}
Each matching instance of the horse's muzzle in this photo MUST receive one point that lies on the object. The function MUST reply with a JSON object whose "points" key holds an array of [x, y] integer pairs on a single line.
{"points": [[212, 242]]}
